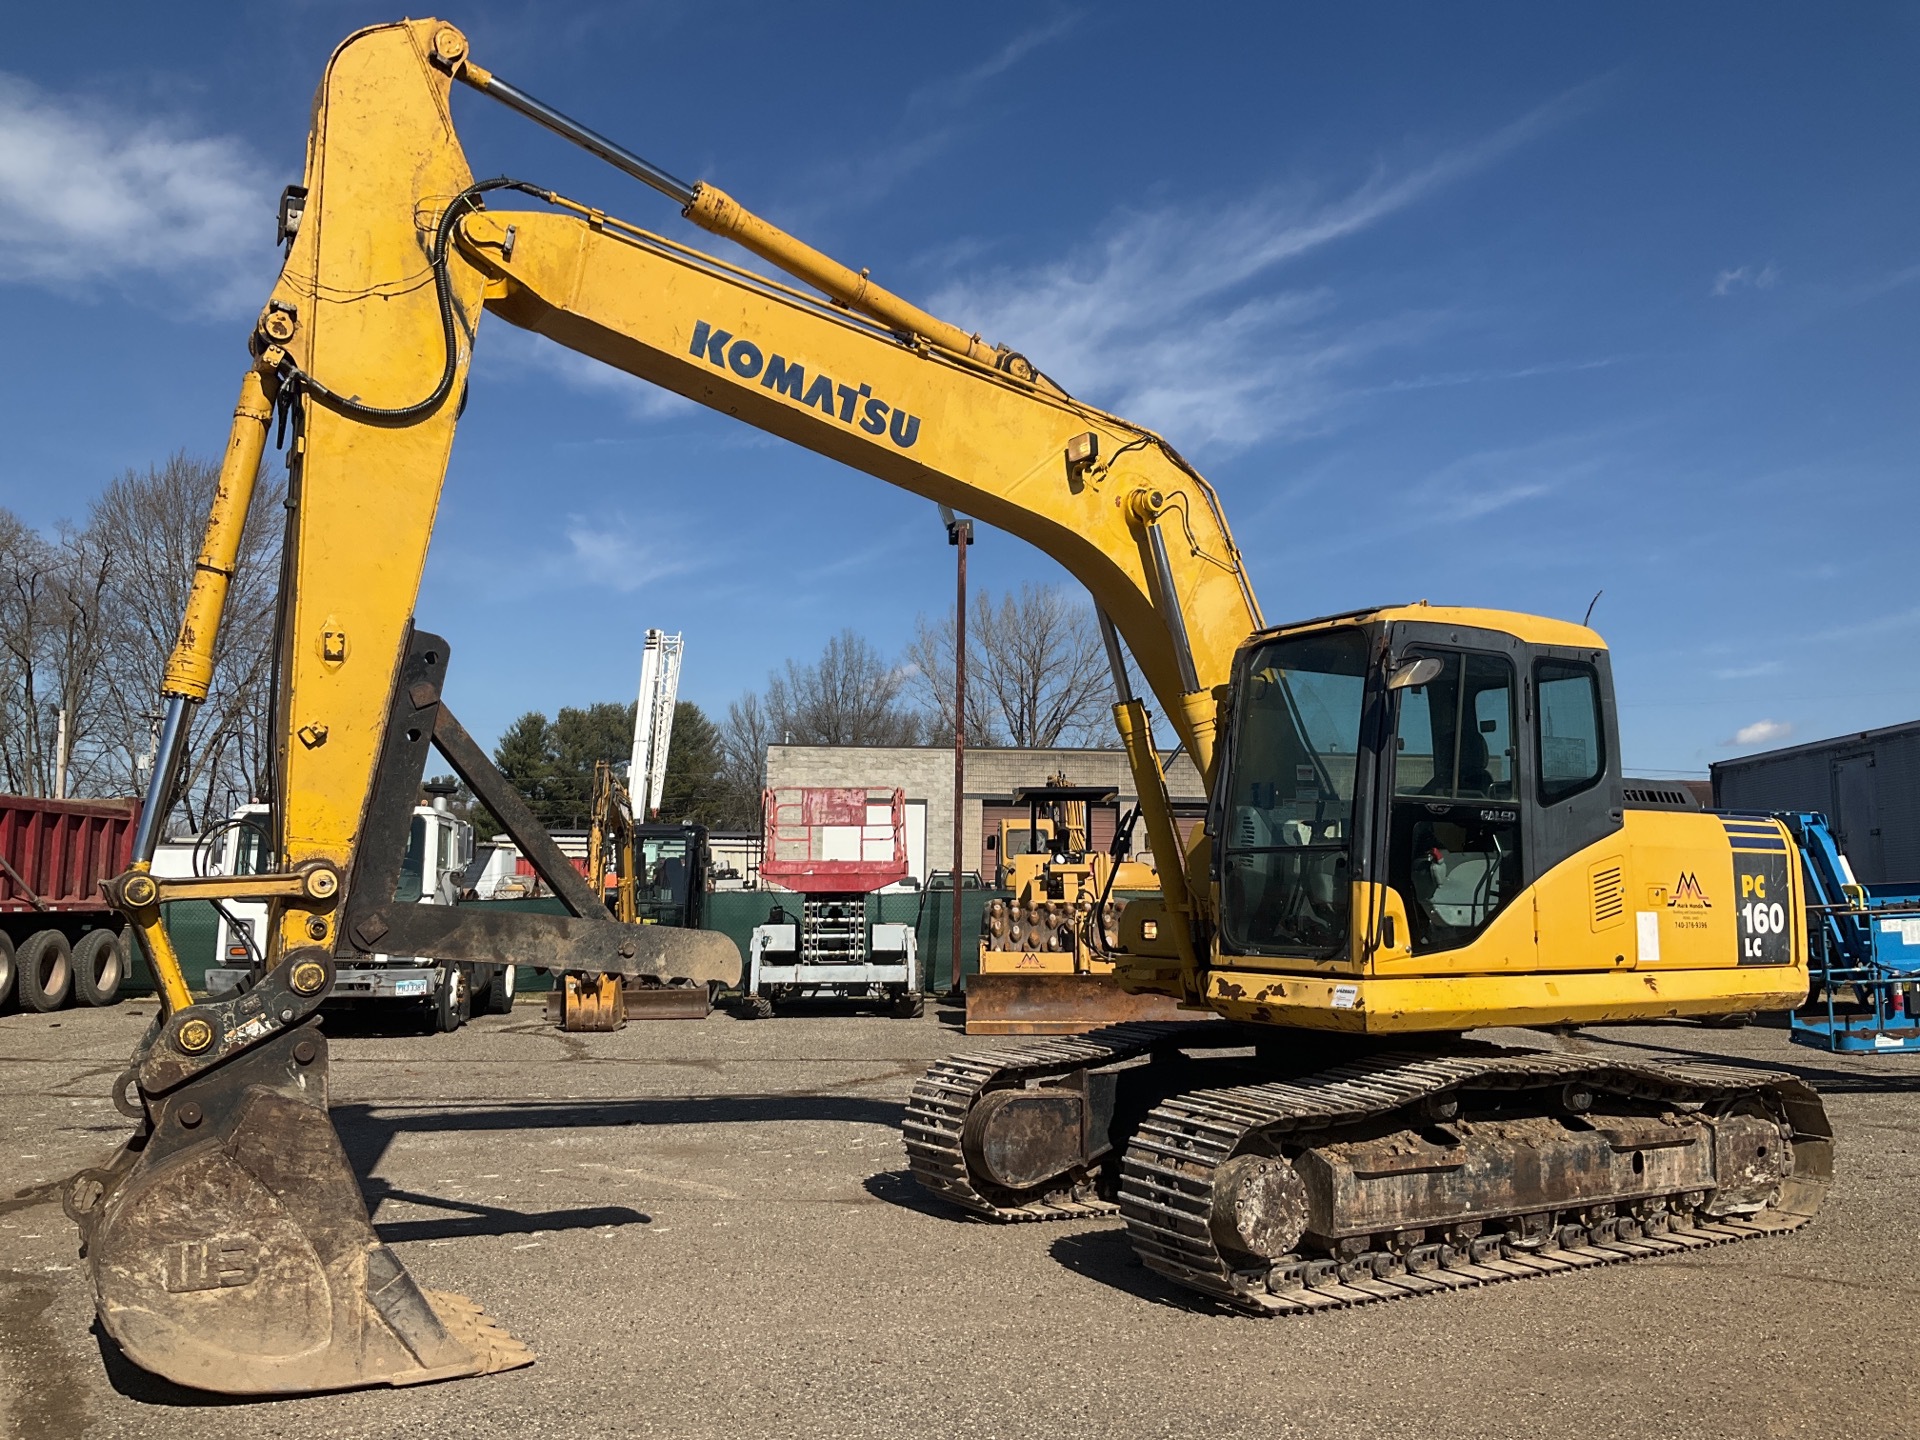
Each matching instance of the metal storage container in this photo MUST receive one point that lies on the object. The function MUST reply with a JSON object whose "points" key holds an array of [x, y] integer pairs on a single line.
{"points": [[1867, 785]]}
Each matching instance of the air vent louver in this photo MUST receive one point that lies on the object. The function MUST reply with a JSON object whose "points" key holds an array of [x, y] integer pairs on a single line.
{"points": [[1609, 895]]}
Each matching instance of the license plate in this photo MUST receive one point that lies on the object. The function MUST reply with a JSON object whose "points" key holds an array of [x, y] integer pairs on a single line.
{"points": [[409, 987]]}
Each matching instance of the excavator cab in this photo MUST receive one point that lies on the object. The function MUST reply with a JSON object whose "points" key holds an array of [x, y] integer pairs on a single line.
{"points": [[1420, 824], [1398, 778]]}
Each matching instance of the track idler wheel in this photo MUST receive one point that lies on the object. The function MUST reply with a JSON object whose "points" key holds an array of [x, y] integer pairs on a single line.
{"points": [[230, 1249], [1018, 1139]]}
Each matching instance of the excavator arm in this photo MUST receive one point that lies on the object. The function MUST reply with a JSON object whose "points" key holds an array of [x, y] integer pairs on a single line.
{"points": [[228, 1245], [368, 336]]}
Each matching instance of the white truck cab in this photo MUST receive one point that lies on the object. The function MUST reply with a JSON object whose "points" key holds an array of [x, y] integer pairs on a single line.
{"points": [[439, 849]]}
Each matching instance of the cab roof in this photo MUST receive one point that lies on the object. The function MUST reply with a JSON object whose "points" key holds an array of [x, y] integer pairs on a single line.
{"points": [[1530, 629]]}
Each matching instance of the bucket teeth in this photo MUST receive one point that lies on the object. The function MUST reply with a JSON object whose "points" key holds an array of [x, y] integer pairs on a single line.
{"points": [[234, 1254], [484, 1337]]}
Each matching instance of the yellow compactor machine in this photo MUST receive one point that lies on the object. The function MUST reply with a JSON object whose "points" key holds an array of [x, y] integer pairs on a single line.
{"points": [[1045, 961], [1418, 821]]}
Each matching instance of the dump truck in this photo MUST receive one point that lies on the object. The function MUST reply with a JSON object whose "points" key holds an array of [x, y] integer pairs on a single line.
{"points": [[60, 937]]}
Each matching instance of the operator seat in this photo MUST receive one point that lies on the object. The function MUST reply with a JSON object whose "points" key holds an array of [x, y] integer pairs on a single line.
{"points": [[1475, 776]]}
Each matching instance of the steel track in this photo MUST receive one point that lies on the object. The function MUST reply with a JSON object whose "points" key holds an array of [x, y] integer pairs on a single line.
{"points": [[1166, 1175], [937, 1113]]}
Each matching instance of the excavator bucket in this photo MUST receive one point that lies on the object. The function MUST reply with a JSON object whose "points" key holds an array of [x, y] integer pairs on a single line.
{"points": [[1058, 1004], [231, 1251], [588, 1003]]}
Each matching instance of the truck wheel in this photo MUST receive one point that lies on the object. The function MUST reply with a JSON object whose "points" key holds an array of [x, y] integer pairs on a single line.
{"points": [[452, 1000], [497, 997], [46, 971], [754, 1007], [6, 967], [909, 1005], [99, 965]]}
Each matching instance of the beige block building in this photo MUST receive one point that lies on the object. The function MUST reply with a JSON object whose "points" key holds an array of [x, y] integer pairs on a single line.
{"points": [[925, 773]]}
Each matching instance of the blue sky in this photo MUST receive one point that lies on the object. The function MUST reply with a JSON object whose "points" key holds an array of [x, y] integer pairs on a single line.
{"points": [[1498, 305]]}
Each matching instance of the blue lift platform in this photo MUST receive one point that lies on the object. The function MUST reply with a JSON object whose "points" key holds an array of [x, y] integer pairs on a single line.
{"points": [[1864, 951]]}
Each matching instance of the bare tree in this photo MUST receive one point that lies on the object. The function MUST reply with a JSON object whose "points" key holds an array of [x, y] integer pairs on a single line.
{"points": [[1037, 672], [16, 540], [157, 521], [744, 736], [87, 620], [55, 618], [849, 696], [25, 582]]}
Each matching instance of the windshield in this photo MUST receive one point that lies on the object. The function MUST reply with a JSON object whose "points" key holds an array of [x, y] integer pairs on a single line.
{"points": [[413, 866], [1028, 840], [661, 885], [1286, 850]]}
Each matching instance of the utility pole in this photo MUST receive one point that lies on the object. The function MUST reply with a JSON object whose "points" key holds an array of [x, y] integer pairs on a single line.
{"points": [[60, 759], [960, 536], [143, 765]]}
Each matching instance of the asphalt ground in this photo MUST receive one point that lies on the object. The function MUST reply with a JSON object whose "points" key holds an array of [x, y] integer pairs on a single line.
{"points": [[705, 1228]]}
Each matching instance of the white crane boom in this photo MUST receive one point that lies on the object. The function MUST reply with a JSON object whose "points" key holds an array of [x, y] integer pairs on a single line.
{"points": [[653, 719]]}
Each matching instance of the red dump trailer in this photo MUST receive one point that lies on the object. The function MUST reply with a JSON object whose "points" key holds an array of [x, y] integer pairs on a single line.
{"points": [[58, 936]]}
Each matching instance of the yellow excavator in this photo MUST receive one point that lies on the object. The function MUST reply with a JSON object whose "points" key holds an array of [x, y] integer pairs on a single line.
{"points": [[1419, 824], [616, 855], [599, 1002]]}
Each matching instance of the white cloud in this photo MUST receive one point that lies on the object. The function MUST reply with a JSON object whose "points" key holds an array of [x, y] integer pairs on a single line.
{"points": [[1761, 732], [1756, 277], [605, 554], [957, 92], [1162, 318], [89, 195], [935, 115], [1750, 672], [1487, 481]]}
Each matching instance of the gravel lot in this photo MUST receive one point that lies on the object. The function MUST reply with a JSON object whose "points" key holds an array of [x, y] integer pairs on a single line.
{"points": [[704, 1228]]}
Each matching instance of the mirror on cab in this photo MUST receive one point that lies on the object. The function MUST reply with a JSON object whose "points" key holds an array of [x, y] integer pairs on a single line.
{"points": [[1417, 671]]}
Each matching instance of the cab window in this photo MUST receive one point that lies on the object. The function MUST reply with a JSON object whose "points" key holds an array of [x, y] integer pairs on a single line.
{"points": [[1286, 835], [413, 866], [1571, 748], [1454, 836]]}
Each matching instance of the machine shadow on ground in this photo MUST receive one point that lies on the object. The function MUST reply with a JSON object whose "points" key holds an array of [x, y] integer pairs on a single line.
{"points": [[1824, 1078], [139, 1385], [899, 1189], [367, 1131], [1106, 1257]]}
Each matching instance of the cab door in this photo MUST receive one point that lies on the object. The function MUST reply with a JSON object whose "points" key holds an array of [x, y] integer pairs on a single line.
{"points": [[1454, 823], [1585, 893]]}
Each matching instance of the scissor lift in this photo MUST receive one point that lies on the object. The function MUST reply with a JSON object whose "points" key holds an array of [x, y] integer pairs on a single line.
{"points": [[832, 847]]}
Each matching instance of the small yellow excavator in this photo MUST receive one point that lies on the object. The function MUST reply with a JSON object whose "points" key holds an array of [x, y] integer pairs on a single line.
{"points": [[1418, 822], [1045, 952], [616, 857], [598, 1002]]}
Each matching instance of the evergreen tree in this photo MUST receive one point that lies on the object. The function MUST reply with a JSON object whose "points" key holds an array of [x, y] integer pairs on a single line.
{"points": [[525, 757], [693, 793], [576, 740]]}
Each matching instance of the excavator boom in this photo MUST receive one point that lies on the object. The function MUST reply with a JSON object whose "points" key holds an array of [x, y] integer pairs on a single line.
{"points": [[229, 1248]]}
